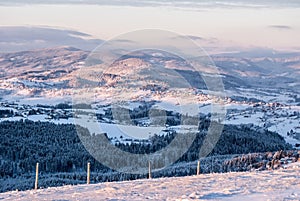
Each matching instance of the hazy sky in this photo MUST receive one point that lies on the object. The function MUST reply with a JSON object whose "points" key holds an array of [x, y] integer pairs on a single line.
{"points": [[272, 24]]}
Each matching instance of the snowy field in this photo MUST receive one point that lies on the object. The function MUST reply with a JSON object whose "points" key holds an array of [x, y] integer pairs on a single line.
{"points": [[243, 186]]}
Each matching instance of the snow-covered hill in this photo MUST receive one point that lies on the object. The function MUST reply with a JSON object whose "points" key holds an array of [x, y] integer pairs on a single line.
{"points": [[259, 186], [47, 72]]}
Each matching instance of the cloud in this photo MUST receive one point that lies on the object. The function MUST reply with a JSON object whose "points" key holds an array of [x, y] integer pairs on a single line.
{"points": [[199, 39], [195, 37], [280, 27], [124, 41], [22, 38]]}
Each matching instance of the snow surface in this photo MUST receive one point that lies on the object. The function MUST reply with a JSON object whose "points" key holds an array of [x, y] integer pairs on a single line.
{"points": [[279, 119], [243, 186], [117, 130]]}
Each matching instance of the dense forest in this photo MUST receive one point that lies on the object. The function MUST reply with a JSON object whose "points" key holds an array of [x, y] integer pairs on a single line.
{"points": [[60, 152]]}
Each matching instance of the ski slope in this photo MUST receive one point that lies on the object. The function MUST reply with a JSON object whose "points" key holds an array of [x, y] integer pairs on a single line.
{"points": [[276, 185]]}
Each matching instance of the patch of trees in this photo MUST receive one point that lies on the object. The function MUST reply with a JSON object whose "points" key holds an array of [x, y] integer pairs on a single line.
{"points": [[56, 147], [6, 113], [250, 100], [65, 106], [141, 112]]}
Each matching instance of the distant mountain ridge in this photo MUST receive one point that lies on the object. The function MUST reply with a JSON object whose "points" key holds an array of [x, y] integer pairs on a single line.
{"points": [[58, 68]]}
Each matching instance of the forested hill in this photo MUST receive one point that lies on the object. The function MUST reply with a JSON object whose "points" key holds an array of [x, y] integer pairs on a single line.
{"points": [[58, 148]]}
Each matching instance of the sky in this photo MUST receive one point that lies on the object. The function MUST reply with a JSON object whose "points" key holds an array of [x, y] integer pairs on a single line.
{"points": [[228, 24]]}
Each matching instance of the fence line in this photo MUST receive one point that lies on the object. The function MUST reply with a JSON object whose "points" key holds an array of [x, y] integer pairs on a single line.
{"points": [[88, 178]]}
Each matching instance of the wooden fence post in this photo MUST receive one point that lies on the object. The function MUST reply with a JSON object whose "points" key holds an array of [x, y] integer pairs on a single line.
{"points": [[198, 167], [36, 176], [88, 173], [149, 169]]}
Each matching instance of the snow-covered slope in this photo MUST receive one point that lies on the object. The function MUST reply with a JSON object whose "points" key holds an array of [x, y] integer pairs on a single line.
{"points": [[267, 185]]}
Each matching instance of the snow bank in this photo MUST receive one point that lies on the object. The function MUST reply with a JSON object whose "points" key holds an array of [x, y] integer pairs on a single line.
{"points": [[267, 185]]}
